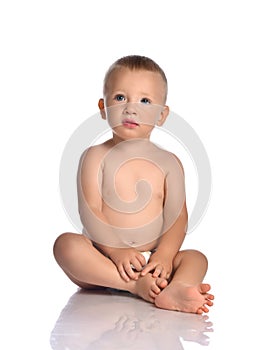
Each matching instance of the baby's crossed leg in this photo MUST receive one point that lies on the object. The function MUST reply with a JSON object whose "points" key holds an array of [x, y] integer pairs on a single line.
{"points": [[89, 268], [186, 292]]}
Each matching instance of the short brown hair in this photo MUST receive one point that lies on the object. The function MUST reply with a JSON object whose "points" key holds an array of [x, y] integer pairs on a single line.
{"points": [[136, 62]]}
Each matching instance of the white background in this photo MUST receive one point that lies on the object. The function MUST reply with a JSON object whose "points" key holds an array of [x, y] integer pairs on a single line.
{"points": [[217, 57]]}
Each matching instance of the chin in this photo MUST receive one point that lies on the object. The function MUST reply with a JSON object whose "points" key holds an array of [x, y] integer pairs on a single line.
{"points": [[130, 133]]}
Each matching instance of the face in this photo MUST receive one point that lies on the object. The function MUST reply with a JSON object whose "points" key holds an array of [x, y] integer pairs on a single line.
{"points": [[134, 103]]}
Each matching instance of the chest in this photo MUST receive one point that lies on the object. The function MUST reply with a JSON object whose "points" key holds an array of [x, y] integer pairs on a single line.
{"points": [[123, 179]]}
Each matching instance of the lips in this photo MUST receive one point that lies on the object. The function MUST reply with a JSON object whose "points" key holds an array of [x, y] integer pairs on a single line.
{"points": [[130, 123]]}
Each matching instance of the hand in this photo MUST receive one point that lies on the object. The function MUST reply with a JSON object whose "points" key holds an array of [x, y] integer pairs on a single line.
{"points": [[124, 258], [160, 265]]}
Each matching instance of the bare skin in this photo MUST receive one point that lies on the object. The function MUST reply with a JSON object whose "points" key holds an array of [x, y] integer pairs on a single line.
{"points": [[172, 279], [77, 256], [180, 297], [79, 259], [184, 292]]}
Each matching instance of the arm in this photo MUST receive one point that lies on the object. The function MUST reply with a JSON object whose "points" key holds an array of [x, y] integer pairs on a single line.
{"points": [[172, 238], [96, 225], [169, 244], [89, 184]]}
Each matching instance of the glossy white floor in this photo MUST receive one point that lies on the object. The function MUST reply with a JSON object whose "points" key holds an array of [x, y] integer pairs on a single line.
{"points": [[110, 320]]}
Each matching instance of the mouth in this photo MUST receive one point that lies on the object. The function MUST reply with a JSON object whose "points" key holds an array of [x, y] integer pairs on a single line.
{"points": [[130, 123]]}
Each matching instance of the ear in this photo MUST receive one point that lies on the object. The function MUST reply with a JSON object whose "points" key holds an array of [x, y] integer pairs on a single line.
{"points": [[101, 106], [163, 116]]}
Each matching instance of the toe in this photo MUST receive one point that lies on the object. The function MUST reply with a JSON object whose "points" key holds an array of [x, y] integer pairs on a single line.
{"points": [[210, 296], [209, 303], [155, 289], [204, 288], [161, 282], [152, 296], [205, 309], [199, 311]]}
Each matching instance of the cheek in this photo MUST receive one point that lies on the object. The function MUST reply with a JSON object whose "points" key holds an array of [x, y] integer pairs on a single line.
{"points": [[114, 115], [151, 115], [146, 130]]}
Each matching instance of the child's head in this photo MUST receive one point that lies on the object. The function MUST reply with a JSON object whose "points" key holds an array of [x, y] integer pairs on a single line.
{"points": [[135, 63], [135, 91]]}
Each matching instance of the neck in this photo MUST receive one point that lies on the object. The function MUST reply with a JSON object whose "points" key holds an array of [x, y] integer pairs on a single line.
{"points": [[116, 139]]}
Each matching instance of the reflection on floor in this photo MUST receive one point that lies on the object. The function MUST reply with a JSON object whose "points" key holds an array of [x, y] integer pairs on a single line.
{"points": [[108, 319]]}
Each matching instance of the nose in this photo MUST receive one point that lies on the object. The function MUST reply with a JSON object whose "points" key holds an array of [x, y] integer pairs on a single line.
{"points": [[130, 109]]}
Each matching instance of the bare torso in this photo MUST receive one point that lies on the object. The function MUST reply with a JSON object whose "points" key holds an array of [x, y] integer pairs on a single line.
{"points": [[131, 182], [145, 224]]}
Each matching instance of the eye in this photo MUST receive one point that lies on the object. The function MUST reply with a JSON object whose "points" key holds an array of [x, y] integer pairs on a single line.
{"points": [[119, 98], [145, 100]]}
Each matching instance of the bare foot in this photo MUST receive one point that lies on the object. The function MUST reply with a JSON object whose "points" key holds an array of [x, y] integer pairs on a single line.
{"points": [[180, 297], [148, 287]]}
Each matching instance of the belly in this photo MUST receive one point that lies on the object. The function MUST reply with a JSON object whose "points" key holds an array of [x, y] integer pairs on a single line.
{"points": [[126, 215], [140, 230]]}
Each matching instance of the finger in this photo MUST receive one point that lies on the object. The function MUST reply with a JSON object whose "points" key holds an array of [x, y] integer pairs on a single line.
{"points": [[129, 271], [164, 274], [158, 271], [123, 273], [149, 267], [141, 259], [136, 264], [168, 274]]}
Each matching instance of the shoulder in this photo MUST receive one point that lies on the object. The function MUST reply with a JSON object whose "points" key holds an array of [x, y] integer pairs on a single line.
{"points": [[172, 161], [176, 159], [167, 154], [94, 154], [98, 150]]}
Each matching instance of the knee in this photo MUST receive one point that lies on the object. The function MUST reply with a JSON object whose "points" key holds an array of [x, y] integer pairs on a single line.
{"points": [[199, 256], [63, 246], [194, 254]]}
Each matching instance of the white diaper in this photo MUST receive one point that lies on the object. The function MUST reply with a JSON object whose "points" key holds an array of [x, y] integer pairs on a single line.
{"points": [[146, 255]]}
